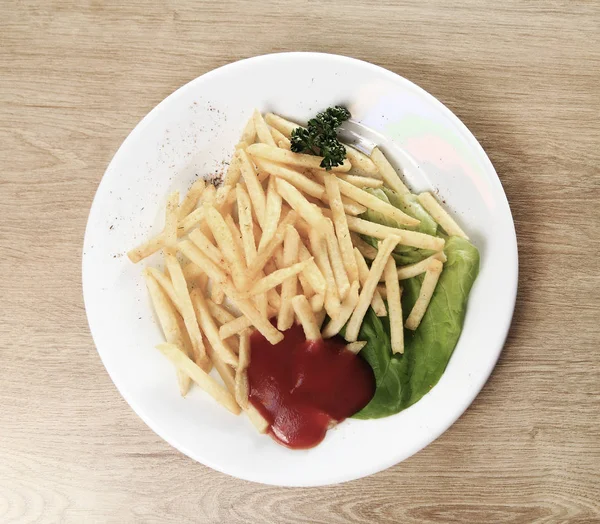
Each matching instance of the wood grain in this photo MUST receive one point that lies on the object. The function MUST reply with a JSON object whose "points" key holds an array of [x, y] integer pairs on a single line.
{"points": [[75, 78]]}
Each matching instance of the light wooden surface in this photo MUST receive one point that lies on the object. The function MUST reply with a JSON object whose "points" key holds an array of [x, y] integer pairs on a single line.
{"points": [[76, 77]]}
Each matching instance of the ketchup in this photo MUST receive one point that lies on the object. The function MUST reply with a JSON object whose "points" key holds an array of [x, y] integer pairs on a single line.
{"points": [[304, 387]]}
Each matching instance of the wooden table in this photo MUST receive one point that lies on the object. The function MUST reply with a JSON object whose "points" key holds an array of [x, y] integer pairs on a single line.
{"points": [[76, 77]]}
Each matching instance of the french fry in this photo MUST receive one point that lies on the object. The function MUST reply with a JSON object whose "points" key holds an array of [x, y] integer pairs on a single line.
{"points": [[376, 204], [311, 213], [319, 252], [195, 255], [209, 249], [366, 294], [228, 376], [291, 246], [355, 347], [210, 330], [352, 208], [312, 273], [246, 224], [255, 189], [191, 198], [335, 258], [316, 302], [190, 221], [387, 172], [440, 215], [260, 322], [241, 373], [176, 355], [361, 161], [407, 238], [360, 181], [412, 270], [272, 214], [281, 124], [273, 153], [220, 313], [341, 226], [307, 289], [392, 287], [228, 246], [262, 258], [307, 318], [298, 180], [217, 294], [320, 317], [187, 309], [430, 281], [382, 291], [166, 238], [237, 236], [167, 318], [363, 271], [234, 171], [262, 130], [194, 276], [366, 250], [275, 279], [249, 132], [334, 326], [280, 139], [167, 287]]}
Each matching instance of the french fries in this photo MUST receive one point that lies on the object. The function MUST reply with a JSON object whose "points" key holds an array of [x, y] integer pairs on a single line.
{"points": [[347, 307], [366, 295], [249, 133], [176, 355], [167, 318], [430, 281], [282, 125], [241, 373], [387, 172], [191, 199], [275, 154], [341, 226], [309, 212], [363, 271], [392, 287], [335, 257], [355, 347], [306, 316], [376, 204], [407, 238], [319, 251], [206, 321], [279, 241], [366, 250], [440, 215], [291, 247], [254, 187], [406, 272], [272, 214], [187, 310], [262, 129]]}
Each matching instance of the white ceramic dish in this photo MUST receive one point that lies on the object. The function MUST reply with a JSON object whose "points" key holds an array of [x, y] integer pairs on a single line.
{"points": [[191, 133]]}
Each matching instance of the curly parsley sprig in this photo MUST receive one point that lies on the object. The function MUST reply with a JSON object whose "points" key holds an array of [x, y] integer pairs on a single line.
{"points": [[320, 137]]}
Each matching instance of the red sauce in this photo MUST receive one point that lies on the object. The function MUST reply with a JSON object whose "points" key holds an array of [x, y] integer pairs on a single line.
{"points": [[303, 387]]}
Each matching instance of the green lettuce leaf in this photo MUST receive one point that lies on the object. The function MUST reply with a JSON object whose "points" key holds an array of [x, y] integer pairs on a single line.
{"points": [[402, 380]]}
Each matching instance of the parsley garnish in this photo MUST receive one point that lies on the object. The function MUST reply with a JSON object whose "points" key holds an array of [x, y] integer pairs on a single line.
{"points": [[320, 137]]}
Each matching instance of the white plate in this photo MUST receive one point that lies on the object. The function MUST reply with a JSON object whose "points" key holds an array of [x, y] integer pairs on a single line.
{"points": [[191, 133]]}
